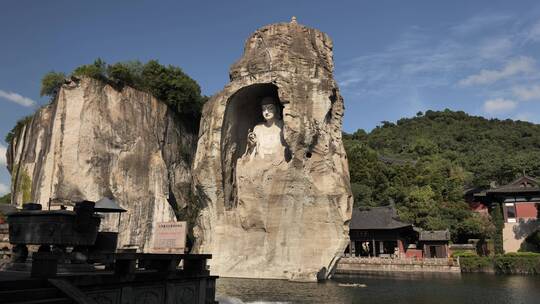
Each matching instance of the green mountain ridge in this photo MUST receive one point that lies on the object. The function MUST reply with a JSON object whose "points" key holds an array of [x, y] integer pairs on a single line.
{"points": [[423, 164], [492, 150]]}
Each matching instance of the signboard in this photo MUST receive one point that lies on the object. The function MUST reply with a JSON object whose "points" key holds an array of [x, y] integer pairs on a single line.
{"points": [[170, 237]]}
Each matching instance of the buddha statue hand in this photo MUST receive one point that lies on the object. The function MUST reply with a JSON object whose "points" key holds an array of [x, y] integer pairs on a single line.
{"points": [[252, 138], [251, 144]]}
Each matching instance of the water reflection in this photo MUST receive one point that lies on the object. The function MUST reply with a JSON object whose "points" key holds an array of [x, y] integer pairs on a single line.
{"points": [[372, 289]]}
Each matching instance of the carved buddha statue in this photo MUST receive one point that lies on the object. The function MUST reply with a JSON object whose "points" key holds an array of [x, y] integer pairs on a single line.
{"points": [[266, 141]]}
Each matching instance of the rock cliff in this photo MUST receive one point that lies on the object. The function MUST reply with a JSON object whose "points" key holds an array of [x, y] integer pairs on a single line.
{"points": [[287, 219], [94, 141]]}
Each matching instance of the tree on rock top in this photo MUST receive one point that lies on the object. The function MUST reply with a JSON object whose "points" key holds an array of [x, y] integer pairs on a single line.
{"points": [[167, 83], [51, 83], [171, 85]]}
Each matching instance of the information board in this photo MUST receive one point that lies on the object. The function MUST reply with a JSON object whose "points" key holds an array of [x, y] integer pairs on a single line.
{"points": [[170, 237]]}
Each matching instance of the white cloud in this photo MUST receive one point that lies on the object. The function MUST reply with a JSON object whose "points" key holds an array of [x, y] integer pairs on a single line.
{"points": [[527, 93], [479, 23], [513, 67], [487, 53], [410, 61], [422, 59], [496, 47], [4, 189], [17, 98], [534, 32], [3, 151], [499, 105]]}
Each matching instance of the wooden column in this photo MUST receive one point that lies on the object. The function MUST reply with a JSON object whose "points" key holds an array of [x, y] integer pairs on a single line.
{"points": [[401, 247]]}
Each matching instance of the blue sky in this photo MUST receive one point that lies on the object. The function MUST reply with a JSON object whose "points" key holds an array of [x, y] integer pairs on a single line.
{"points": [[393, 58]]}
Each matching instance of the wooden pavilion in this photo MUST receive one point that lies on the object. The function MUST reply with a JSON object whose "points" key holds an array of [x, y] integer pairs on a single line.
{"points": [[378, 232]]}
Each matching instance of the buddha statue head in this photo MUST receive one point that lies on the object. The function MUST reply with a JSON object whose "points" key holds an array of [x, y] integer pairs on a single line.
{"points": [[269, 109]]}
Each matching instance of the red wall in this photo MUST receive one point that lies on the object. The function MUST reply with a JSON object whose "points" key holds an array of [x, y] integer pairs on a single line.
{"points": [[414, 253], [526, 210]]}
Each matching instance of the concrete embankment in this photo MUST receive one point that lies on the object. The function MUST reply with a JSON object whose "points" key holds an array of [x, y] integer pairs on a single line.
{"points": [[357, 265]]}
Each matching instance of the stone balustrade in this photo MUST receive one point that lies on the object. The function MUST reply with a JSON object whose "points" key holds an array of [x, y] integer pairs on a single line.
{"points": [[352, 265], [399, 261]]}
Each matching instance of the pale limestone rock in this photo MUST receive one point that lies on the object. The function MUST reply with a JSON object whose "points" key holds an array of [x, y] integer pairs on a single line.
{"points": [[94, 141], [263, 219]]}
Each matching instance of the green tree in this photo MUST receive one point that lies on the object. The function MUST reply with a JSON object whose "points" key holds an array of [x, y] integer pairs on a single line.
{"points": [[498, 222], [368, 179], [51, 83], [167, 83], [171, 85], [475, 226], [14, 132], [126, 73], [488, 149], [97, 70], [420, 209], [5, 199], [424, 163]]}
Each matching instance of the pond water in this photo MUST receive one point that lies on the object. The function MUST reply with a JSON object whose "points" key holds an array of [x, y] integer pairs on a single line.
{"points": [[373, 289]]}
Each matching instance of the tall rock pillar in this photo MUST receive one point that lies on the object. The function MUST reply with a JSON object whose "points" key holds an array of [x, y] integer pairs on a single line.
{"points": [[274, 193]]}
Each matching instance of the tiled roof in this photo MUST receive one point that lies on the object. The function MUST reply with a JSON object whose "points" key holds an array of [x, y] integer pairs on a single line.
{"points": [[376, 218], [436, 235], [522, 184]]}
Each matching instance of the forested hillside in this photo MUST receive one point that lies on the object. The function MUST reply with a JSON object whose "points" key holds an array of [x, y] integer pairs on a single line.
{"points": [[424, 164]]}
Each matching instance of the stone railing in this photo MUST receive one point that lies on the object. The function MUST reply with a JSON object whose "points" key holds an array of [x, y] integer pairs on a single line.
{"points": [[400, 261], [356, 265]]}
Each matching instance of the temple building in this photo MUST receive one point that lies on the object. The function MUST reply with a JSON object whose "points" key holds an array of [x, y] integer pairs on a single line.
{"points": [[377, 232], [434, 244], [520, 202]]}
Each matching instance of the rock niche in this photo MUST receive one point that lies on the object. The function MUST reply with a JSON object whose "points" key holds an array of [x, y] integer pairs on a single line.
{"points": [[270, 170]]}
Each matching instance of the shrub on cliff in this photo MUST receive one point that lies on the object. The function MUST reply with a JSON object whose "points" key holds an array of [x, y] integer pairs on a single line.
{"points": [[167, 83], [51, 83], [171, 85], [97, 70], [6, 199], [17, 128], [126, 73]]}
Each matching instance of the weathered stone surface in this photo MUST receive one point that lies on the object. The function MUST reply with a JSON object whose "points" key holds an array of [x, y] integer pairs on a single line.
{"points": [[287, 220], [95, 141]]}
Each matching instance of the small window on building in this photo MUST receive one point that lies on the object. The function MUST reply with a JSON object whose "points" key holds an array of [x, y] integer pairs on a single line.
{"points": [[510, 212]]}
